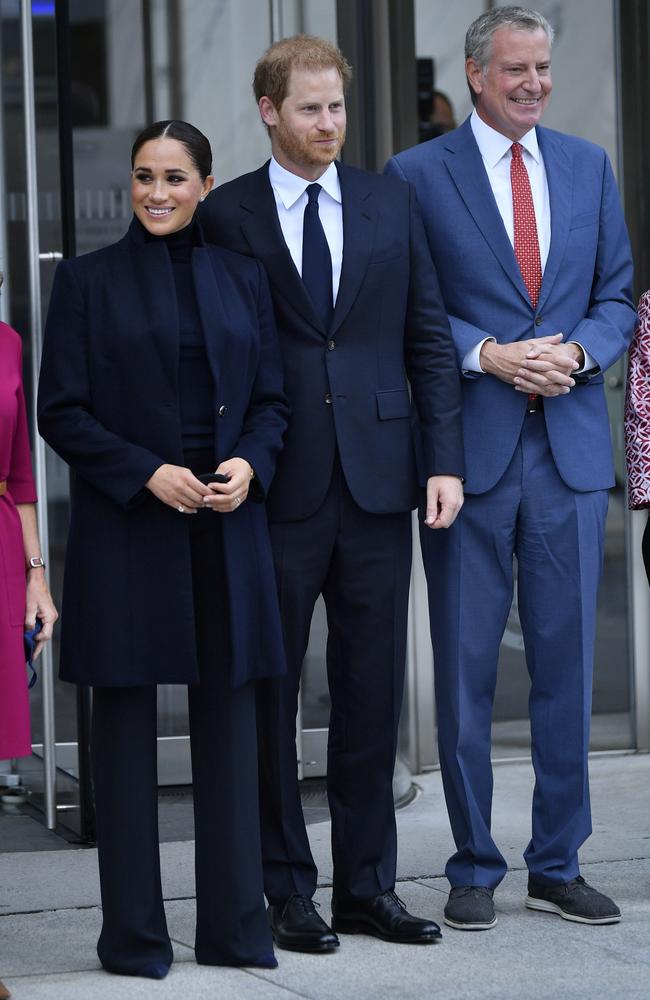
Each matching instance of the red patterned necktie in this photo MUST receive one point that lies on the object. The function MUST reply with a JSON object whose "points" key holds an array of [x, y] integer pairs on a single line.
{"points": [[525, 226]]}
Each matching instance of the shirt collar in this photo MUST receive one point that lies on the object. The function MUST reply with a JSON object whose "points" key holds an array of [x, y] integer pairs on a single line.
{"points": [[494, 145], [290, 187]]}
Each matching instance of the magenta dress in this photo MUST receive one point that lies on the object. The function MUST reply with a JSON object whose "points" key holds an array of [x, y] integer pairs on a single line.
{"points": [[16, 471]]}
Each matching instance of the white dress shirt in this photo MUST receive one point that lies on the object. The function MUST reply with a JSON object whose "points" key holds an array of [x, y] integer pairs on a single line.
{"points": [[496, 152], [290, 192]]}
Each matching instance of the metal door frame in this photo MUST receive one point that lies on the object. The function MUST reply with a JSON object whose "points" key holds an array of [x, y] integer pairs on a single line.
{"points": [[36, 333]]}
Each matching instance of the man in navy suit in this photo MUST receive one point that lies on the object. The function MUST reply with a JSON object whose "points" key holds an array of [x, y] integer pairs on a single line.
{"points": [[364, 336], [529, 242]]}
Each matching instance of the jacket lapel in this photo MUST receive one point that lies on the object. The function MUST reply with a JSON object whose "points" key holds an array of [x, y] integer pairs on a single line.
{"points": [[559, 176], [262, 230], [359, 225], [465, 165]]}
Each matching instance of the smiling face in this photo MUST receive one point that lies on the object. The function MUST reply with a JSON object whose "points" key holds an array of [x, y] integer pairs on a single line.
{"points": [[166, 187], [514, 89], [308, 131]]}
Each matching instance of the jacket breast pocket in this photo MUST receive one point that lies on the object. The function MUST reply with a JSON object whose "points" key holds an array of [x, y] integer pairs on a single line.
{"points": [[392, 251], [584, 219], [393, 404]]}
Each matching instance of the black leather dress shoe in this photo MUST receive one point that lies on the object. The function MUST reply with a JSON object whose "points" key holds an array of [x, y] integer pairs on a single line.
{"points": [[297, 926], [385, 917]]}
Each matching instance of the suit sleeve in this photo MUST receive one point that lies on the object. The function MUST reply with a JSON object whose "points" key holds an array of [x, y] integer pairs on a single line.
{"points": [[66, 420], [268, 411], [606, 330], [431, 360], [465, 335], [637, 411]]}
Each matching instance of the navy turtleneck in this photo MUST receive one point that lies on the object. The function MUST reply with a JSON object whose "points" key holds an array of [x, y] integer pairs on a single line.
{"points": [[196, 389]]}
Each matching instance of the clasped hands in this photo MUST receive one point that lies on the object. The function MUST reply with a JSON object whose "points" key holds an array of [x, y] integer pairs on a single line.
{"points": [[543, 366], [179, 488]]}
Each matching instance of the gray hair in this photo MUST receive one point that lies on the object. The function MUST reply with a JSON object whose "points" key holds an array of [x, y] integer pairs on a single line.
{"points": [[478, 40]]}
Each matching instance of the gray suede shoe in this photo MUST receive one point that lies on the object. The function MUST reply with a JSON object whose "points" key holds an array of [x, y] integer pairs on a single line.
{"points": [[574, 900], [470, 908]]}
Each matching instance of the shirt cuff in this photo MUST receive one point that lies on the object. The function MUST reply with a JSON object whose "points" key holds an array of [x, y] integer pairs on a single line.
{"points": [[471, 362], [590, 365]]}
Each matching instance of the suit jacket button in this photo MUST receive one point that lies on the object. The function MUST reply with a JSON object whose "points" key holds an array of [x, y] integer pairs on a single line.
{"points": [[328, 397], [538, 321], [222, 410], [331, 344]]}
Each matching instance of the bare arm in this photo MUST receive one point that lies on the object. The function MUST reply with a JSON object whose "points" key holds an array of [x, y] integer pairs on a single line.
{"points": [[39, 602]]}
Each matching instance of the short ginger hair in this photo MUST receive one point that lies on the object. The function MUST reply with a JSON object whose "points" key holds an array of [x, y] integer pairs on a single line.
{"points": [[308, 52]]}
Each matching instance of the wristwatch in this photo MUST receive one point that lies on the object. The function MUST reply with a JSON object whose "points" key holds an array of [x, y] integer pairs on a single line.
{"points": [[35, 563]]}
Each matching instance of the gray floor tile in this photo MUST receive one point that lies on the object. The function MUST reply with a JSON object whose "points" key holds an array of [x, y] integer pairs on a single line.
{"points": [[19, 832], [46, 880], [187, 981], [56, 941], [181, 920]]}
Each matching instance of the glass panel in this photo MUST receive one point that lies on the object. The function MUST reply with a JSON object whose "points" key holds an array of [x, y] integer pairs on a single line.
{"points": [[583, 26]]}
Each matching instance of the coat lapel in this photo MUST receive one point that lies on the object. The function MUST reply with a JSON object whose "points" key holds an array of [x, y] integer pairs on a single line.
{"points": [[261, 227], [152, 297], [359, 225], [559, 171], [211, 311], [465, 165]]}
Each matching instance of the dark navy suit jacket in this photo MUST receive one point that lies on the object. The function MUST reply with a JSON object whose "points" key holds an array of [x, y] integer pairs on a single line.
{"points": [[108, 404], [351, 386], [585, 294]]}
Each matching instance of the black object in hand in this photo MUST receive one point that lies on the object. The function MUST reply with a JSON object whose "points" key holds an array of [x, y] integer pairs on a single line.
{"points": [[213, 477]]}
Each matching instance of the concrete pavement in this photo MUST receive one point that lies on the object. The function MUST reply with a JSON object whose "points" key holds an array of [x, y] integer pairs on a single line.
{"points": [[50, 917]]}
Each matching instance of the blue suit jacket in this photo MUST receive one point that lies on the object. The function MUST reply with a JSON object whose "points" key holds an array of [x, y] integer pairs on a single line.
{"points": [[350, 387], [585, 294]]}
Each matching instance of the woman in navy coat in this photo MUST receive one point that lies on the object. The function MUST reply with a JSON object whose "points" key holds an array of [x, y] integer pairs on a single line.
{"points": [[160, 364]]}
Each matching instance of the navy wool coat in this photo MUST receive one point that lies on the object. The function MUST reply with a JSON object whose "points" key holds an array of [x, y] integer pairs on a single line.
{"points": [[108, 405]]}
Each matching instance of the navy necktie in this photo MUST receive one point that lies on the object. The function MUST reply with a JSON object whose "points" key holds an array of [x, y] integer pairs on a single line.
{"points": [[316, 258]]}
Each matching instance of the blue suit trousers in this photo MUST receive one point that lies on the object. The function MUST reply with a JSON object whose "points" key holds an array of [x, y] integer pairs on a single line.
{"points": [[556, 535]]}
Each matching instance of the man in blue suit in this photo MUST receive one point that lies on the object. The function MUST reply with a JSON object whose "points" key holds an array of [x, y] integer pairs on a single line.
{"points": [[363, 333], [529, 242]]}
